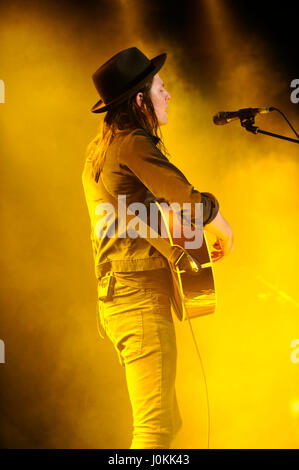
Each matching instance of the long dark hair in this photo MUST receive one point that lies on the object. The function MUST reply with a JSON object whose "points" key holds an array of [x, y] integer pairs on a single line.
{"points": [[127, 115]]}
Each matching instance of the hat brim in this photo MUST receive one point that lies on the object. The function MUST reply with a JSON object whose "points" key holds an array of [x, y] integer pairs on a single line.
{"points": [[157, 62]]}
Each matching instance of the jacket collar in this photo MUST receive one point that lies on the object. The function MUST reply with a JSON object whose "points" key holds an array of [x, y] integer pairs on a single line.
{"points": [[127, 131]]}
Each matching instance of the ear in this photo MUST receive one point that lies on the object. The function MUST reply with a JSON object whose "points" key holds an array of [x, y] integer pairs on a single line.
{"points": [[139, 99]]}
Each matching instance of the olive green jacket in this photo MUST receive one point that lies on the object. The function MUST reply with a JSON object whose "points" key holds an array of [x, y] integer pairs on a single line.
{"points": [[135, 168]]}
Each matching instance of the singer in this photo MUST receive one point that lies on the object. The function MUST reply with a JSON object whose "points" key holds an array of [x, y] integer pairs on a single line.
{"points": [[134, 281]]}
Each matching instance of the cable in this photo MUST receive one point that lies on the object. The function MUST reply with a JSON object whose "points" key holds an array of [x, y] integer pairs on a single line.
{"points": [[284, 116], [189, 321], [198, 353]]}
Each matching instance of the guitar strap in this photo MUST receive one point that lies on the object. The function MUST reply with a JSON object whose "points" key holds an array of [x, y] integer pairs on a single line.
{"points": [[171, 253]]}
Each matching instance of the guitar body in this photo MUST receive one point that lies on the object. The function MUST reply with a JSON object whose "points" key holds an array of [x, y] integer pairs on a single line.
{"points": [[194, 293]]}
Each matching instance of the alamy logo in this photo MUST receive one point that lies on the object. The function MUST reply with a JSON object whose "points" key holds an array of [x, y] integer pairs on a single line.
{"points": [[2, 92], [2, 352], [178, 220], [295, 93], [295, 352]]}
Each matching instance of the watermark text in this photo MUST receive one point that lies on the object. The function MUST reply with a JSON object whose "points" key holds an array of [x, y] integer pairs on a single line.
{"points": [[295, 93], [2, 92], [175, 220], [295, 352], [2, 352]]}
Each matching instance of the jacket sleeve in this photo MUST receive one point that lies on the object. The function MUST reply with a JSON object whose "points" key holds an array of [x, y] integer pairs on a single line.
{"points": [[166, 182]]}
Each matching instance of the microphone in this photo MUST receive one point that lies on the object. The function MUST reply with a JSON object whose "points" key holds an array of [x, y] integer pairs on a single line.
{"points": [[224, 117]]}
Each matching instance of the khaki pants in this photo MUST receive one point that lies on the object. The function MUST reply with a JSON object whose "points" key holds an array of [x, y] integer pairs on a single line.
{"points": [[140, 325]]}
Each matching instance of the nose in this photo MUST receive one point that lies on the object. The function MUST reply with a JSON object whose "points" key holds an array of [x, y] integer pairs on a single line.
{"points": [[168, 97]]}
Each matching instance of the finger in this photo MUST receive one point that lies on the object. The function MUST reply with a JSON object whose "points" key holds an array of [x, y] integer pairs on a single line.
{"points": [[218, 245], [217, 257], [217, 253]]}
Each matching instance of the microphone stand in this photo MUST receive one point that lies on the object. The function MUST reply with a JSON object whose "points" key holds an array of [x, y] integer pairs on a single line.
{"points": [[248, 123]]}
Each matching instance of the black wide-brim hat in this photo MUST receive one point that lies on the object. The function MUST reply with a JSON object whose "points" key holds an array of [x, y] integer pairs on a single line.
{"points": [[122, 76]]}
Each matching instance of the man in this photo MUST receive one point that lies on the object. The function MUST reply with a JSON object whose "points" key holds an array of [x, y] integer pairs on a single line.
{"points": [[135, 285]]}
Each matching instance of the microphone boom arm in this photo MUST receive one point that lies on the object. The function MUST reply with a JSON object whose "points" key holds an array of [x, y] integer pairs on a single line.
{"points": [[248, 124]]}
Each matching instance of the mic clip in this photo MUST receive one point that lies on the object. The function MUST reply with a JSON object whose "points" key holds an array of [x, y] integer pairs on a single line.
{"points": [[248, 123]]}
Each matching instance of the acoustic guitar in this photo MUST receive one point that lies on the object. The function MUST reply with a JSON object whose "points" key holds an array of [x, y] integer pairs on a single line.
{"points": [[194, 289]]}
